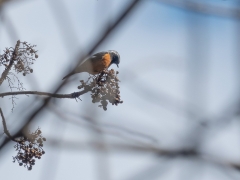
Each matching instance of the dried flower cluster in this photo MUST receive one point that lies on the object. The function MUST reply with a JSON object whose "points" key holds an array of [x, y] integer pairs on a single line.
{"points": [[21, 57], [104, 88], [29, 148]]}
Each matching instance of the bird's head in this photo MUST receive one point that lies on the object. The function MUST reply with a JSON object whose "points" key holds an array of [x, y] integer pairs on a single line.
{"points": [[115, 57]]}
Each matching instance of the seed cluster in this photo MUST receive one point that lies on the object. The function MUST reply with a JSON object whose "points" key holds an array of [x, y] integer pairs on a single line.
{"points": [[29, 148], [104, 88], [21, 57]]}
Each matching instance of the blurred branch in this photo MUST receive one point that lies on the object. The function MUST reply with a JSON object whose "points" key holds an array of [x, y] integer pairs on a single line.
{"points": [[99, 127], [133, 148], [235, 166], [10, 28], [115, 127], [225, 116], [5, 127], [63, 20], [98, 42], [3, 1], [153, 171], [162, 99], [122, 147], [204, 8]]}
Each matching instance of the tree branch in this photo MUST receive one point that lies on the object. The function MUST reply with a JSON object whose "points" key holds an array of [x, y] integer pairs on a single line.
{"points": [[6, 71], [72, 95], [5, 127]]}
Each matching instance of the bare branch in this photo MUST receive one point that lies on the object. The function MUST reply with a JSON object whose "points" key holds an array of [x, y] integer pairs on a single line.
{"points": [[5, 127], [72, 95], [6, 71]]}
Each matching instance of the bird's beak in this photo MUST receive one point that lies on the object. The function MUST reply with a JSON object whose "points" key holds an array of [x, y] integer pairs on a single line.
{"points": [[117, 66]]}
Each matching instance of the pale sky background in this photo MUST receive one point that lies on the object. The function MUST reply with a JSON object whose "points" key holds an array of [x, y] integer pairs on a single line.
{"points": [[171, 60]]}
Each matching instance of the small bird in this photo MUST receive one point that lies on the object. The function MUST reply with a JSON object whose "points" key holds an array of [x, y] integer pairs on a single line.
{"points": [[97, 62]]}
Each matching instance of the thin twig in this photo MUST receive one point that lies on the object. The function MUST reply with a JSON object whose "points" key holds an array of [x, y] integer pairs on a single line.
{"points": [[5, 127]]}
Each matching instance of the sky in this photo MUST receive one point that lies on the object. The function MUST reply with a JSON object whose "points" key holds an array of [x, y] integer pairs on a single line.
{"points": [[172, 61]]}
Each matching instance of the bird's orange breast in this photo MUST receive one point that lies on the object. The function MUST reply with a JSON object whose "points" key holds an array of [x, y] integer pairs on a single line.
{"points": [[106, 60], [102, 63]]}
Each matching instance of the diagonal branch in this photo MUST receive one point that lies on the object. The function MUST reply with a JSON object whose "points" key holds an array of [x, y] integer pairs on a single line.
{"points": [[6, 71], [5, 127]]}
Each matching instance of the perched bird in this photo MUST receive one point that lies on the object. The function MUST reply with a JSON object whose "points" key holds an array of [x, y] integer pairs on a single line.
{"points": [[97, 62]]}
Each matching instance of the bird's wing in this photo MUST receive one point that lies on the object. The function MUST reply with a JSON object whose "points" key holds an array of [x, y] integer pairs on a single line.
{"points": [[94, 57], [86, 65], [97, 56]]}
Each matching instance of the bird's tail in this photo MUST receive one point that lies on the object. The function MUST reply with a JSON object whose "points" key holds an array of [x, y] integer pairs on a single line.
{"points": [[68, 75]]}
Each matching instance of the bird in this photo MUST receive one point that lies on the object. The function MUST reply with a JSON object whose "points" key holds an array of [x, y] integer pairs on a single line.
{"points": [[97, 63]]}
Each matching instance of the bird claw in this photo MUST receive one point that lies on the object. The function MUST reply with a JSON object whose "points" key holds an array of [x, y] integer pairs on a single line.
{"points": [[75, 95]]}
